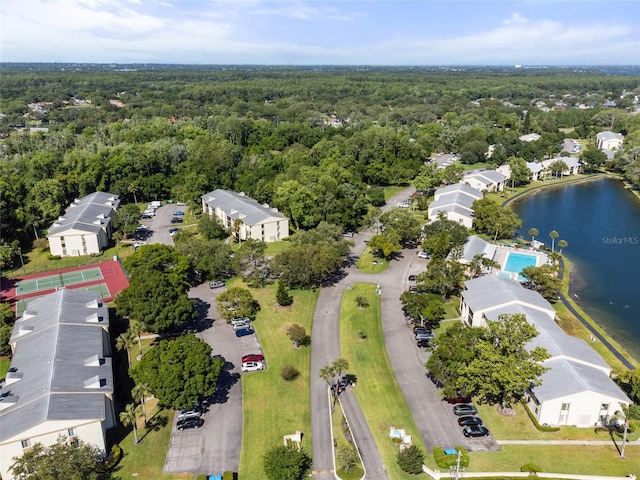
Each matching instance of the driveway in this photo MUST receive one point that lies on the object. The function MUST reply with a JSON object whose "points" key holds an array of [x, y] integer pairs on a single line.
{"points": [[161, 223], [215, 447]]}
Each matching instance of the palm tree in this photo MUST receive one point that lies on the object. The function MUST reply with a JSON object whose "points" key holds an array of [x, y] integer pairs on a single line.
{"points": [[129, 417], [490, 262], [140, 393], [626, 413], [340, 366], [136, 329], [534, 233], [562, 244], [553, 234], [125, 342]]}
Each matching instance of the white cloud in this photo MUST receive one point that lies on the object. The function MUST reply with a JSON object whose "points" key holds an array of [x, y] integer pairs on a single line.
{"points": [[516, 18]]}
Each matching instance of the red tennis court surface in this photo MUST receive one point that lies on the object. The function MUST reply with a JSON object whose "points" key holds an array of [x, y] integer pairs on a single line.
{"points": [[112, 274]]}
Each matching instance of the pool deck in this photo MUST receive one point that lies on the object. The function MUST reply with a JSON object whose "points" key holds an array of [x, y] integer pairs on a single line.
{"points": [[502, 254]]}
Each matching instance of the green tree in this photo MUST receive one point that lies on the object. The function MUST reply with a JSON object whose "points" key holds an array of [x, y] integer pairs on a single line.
{"points": [[519, 171], [251, 261], [562, 244], [286, 463], [155, 301], [7, 319], [60, 461], [297, 335], [129, 417], [159, 258], [629, 381], [306, 266], [179, 372], [211, 228], [126, 220], [442, 277], [385, 244], [492, 219], [9, 252], [553, 235], [237, 302], [411, 459], [593, 158], [544, 280], [283, 297], [124, 342], [347, 458], [625, 414], [534, 233], [140, 392], [502, 368], [443, 236], [403, 222]]}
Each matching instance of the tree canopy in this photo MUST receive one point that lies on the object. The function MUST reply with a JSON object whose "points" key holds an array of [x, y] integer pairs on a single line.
{"points": [[179, 372], [286, 463]]}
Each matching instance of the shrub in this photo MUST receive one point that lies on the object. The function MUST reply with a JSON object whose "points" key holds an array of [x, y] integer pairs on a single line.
{"points": [[113, 459], [411, 459], [347, 458], [530, 467], [362, 335], [298, 335], [40, 243], [362, 302], [534, 420], [228, 475], [54, 257], [289, 372], [286, 462], [202, 476], [282, 295]]}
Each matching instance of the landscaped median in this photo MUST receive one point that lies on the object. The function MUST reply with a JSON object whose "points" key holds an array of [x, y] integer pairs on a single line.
{"points": [[376, 389], [273, 407]]}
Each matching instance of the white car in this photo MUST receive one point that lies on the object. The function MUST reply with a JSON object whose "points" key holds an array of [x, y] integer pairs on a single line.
{"points": [[241, 325], [252, 366], [423, 254]]}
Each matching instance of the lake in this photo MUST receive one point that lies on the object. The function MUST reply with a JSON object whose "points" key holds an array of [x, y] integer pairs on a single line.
{"points": [[600, 220]]}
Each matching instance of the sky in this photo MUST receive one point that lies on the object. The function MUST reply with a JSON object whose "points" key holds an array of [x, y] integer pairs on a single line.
{"points": [[328, 32]]}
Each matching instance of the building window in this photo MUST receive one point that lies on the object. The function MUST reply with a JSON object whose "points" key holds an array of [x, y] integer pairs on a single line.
{"points": [[71, 432], [604, 407], [565, 406], [26, 443]]}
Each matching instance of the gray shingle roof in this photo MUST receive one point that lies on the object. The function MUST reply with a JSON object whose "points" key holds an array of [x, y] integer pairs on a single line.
{"points": [[453, 198], [237, 205], [489, 176], [90, 214], [567, 377], [60, 365], [475, 246], [491, 291], [459, 187], [534, 167]]}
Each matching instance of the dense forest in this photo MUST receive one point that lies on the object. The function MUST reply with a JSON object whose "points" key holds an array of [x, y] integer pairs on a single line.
{"points": [[310, 141]]}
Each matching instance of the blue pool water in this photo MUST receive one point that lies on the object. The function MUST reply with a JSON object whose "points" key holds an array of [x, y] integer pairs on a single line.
{"points": [[516, 262]]}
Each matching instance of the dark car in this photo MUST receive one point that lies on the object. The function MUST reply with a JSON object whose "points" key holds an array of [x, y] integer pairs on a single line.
{"points": [[253, 357], [244, 332], [469, 421], [459, 399], [464, 409], [193, 422], [177, 220], [475, 431], [420, 329], [412, 278], [413, 289], [423, 342]]}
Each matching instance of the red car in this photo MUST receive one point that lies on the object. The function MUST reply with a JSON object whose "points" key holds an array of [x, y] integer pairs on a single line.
{"points": [[253, 357], [456, 400]]}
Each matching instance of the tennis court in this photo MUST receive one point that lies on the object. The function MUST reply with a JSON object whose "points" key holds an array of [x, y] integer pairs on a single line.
{"points": [[100, 288], [58, 280]]}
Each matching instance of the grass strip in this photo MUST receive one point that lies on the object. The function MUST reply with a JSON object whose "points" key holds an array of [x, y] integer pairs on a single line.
{"points": [[273, 407], [340, 442], [377, 390]]}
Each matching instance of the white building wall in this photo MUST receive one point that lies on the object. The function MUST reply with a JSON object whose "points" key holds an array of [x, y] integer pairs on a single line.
{"points": [[74, 246], [579, 410], [467, 221], [47, 433]]}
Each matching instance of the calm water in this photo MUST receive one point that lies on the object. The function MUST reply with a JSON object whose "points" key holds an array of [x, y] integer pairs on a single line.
{"points": [[600, 221]]}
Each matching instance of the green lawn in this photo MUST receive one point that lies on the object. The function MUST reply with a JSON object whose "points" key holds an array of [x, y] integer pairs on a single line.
{"points": [[341, 442], [390, 191], [273, 407], [377, 390], [146, 459], [366, 263], [4, 366], [274, 248]]}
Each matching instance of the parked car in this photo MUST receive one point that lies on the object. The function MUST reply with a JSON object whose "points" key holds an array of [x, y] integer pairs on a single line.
{"points": [[420, 329], [178, 213], [412, 278], [413, 289], [253, 357], [252, 366], [347, 235], [423, 254], [464, 409], [459, 399], [244, 331], [475, 431], [425, 336], [173, 231], [423, 342], [177, 220], [218, 284], [240, 325], [190, 412], [236, 321], [186, 423], [469, 421]]}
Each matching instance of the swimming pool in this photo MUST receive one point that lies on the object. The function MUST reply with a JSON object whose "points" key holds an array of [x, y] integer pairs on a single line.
{"points": [[516, 262]]}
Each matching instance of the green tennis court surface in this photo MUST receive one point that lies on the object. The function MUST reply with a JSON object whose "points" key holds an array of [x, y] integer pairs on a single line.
{"points": [[58, 280], [100, 288]]}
